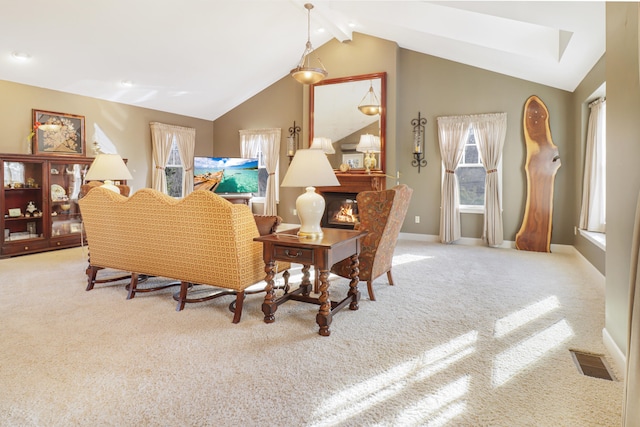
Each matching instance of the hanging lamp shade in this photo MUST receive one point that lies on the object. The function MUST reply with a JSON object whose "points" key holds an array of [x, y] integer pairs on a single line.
{"points": [[370, 104], [306, 72]]}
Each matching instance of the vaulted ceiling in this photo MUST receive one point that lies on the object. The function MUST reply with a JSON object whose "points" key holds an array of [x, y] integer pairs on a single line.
{"points": [[201, 58]]}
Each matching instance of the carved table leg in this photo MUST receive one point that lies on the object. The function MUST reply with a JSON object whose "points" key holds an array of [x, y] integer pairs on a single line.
{"points": [[323, 318], [269, 305], [305, 285], [354, 293]]}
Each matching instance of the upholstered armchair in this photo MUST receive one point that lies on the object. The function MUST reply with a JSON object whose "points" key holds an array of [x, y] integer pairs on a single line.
{"points": [[381, 214]]}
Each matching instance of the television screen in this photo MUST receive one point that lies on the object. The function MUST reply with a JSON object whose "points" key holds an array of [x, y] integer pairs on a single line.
{"points": [[225, 174]]}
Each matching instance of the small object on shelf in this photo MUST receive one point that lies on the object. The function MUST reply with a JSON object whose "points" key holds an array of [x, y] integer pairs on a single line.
{"points": [[31, 183], [344, 167], [57, 193], [19, 235], [65, 206], [15, 213], [31, 208]]}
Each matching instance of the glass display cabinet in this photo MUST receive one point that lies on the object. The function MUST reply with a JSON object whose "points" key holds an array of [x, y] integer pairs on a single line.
{"points": [[39, 202]]}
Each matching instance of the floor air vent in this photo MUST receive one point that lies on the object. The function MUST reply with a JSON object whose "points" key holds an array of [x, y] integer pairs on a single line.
{"points": [[591, 365]]}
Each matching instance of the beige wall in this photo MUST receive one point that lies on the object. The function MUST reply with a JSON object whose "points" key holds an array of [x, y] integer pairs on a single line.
{"points": [[286, 100], [433, 86], [126, 126], [437, 87], [623, 151]]}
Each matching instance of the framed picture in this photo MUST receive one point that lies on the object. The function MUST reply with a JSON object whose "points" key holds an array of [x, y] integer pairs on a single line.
{"points": [[355, 161], [75, 227], [58, 134]]}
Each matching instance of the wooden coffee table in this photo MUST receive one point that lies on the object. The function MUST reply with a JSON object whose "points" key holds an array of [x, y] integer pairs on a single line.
{"points": [[334, 246]]}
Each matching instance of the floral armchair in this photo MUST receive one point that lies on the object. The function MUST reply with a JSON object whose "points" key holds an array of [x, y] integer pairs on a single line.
{"points": [[381, 214]]}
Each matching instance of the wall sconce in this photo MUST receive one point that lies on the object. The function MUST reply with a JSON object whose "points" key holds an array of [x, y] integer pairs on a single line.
{"points": [[293, 141], [418, 142]]}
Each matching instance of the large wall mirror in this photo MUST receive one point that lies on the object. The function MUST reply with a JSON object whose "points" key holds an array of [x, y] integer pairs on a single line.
{"points": [[334, 114]]}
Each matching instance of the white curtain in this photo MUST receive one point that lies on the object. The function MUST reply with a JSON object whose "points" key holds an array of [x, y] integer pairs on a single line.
{"points": [[592, 214], [453, 132], [186, 142], [162, 137], [269, 142], [631, 401], [490, 131]]}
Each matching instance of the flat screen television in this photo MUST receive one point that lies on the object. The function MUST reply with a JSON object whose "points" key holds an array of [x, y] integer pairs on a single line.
{"points": [[225, 175]]}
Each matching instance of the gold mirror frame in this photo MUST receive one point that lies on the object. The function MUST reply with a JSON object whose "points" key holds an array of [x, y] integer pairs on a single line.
{"points": [[366, 80]]}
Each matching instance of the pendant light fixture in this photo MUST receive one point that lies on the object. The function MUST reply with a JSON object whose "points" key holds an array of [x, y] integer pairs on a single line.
{"points": [[370, 106], [305, 73]]}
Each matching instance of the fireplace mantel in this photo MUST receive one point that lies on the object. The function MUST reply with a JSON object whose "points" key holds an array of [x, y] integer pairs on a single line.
{"points": [[356, 181]]}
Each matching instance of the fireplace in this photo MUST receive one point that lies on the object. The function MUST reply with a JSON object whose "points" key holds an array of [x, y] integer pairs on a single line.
{"points": [[341, 210]]}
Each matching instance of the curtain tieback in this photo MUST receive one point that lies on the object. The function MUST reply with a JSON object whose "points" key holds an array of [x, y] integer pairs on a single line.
{"points": [[492, 170], [160, 167], [188, 170], [449, 171], [272, 173]]}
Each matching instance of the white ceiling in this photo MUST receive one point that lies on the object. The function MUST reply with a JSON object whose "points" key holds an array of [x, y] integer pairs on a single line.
{"points": [[201, 58]]}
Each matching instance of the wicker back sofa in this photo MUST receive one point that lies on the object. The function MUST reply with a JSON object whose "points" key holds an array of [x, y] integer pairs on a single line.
{"points": [[201, 239]]}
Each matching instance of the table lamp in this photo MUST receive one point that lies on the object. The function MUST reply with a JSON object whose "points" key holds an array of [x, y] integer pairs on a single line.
{"points": [[369, 144], [310, 168], [108, 167]]}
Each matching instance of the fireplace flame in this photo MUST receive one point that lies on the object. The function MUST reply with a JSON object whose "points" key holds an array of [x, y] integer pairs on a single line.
{"points": [[345, 214]]}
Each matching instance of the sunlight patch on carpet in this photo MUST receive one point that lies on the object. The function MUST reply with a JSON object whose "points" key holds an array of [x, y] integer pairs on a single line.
{"points": [[512, 361], [437, 409], [362, 396], [406, 258], [528, 314]]}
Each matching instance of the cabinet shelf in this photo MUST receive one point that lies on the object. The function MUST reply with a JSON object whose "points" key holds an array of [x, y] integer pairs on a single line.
{"points": [[23, 218]]}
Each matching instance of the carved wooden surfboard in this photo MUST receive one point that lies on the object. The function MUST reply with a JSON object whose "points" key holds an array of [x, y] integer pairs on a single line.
{"points": [[541, 166]]}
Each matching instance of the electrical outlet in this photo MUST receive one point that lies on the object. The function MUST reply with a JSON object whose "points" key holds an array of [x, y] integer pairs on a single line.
{"points": [[575, 230], [295, 211], [417, 219]]}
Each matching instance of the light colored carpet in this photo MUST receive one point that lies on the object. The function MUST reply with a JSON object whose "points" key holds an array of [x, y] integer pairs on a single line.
{"points": [[469, 336]]}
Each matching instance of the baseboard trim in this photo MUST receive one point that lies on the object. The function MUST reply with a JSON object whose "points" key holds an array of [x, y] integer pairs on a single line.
{"points": [[617, 356], [474, 241]]}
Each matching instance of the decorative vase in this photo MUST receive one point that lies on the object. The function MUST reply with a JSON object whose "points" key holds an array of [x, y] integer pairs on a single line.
{"points": [[29, 148]]}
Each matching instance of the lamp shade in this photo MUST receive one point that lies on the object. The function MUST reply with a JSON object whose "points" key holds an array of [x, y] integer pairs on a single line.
{"points": [[324, 144], [310, 168], [368, 144], [108, 167]]}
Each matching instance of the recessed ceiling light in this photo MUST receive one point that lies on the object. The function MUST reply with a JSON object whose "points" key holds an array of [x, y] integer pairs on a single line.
{"points": [[22, 56], [126, 83]]}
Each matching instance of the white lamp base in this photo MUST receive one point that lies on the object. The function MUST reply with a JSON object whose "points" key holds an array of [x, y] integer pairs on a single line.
{"points": [[109, 185], [310, 206]]}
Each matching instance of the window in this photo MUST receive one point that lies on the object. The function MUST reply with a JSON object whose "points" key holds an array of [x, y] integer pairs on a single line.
{"points": [[174, 172], [471, 174]]}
